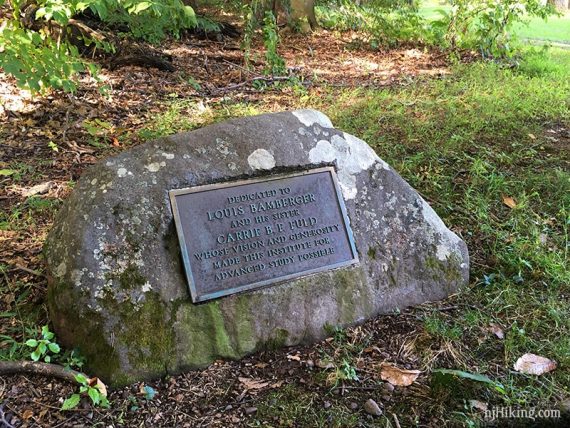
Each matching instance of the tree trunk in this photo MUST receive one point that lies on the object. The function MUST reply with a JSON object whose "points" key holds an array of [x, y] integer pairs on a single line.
{"points": [[303, 11], [560, 5]]}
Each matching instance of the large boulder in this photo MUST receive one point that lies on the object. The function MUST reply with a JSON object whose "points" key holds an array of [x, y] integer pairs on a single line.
{"points": [[117, 286]]}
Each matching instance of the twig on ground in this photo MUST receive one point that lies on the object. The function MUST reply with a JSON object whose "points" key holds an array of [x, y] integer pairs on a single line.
{"points": [[396, 421], [36, 367], [3, 421], [28, 270]]}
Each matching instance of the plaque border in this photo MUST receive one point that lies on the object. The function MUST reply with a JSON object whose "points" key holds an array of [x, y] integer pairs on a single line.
{"points": [[197, 297]]}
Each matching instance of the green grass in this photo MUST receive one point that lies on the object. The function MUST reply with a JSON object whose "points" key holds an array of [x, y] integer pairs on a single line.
{"points": [[555, 28]]}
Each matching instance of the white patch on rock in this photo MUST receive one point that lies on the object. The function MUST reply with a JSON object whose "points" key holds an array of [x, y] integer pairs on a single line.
{"points": [[322, 152], [122, 172], [442, 252], [155, 166], [352, 156], [168, 155], [76, 275], [310, 117], [94, 182], [261, 159]]}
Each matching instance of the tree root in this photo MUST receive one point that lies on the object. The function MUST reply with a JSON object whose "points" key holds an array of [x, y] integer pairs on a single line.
{"points": [[142, 60], [36, 367]]}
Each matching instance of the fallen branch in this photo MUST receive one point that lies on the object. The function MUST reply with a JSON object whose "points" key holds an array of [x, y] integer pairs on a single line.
{"points": [[36, 367]]}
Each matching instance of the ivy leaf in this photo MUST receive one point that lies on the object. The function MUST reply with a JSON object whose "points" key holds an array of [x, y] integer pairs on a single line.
{"points": [[47, 335], [71, 402], [36, 355], [32, 343], [94, 395], [54, 347], [81, 379]]}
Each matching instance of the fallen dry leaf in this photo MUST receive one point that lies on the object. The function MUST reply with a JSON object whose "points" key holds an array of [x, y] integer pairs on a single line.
{"points": [[534, 364], [28, 413], [398, 377], [532, 136], [95, 382], [324, 364], [253, 384], [478, 405], [497, 331], [38, 189], [509, 202], [293, 358]]}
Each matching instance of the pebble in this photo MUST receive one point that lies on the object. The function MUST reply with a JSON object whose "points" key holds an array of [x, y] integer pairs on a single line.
{"points": [[353, 406], [372, 408], [250, 410], [229, 407], [327, 404], [388, 388]]}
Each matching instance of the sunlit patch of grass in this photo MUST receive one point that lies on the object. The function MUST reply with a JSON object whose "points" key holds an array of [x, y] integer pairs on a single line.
{"points": [[187, 115]]}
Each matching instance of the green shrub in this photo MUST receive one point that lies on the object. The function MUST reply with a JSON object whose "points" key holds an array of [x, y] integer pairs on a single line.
{"points": [[485, 24], [45, 59]]}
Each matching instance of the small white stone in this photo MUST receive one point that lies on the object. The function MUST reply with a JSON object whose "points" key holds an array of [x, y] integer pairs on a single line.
{"points": [[261, 159], [146, 287], [168, 155], [122, 172]]}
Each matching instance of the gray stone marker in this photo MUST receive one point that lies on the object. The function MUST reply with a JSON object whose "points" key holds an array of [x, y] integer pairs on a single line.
{"points": [[118, 287]]}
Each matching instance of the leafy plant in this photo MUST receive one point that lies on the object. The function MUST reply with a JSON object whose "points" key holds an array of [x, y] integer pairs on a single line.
{"points": [[274, 63], [485, 24], [347, 371], [381, 22], [92, 388], [44, 346], [445, 375], [44, 58]]}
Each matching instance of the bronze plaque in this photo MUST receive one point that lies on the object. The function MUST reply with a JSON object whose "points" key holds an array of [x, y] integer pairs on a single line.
{"points": [[247, 234]]}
